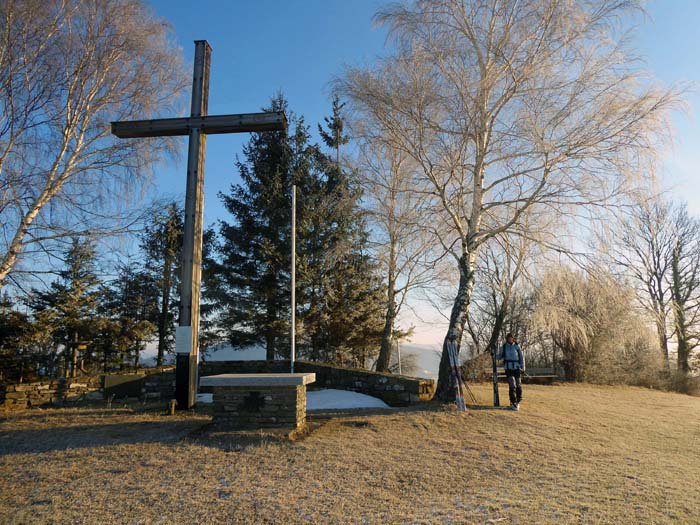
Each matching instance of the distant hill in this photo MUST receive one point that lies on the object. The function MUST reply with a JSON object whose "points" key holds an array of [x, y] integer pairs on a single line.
{"points": [[426, 357]]}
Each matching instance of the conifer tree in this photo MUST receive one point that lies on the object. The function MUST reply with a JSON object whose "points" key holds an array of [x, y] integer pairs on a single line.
{"points": [[71, 301], [131, 306], [161, 242], [355, 307], [344, 293], [250, 281], [248, 271], [334, 136]]}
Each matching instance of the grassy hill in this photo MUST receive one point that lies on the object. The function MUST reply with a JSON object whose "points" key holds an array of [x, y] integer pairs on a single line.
{"points": [[574, 454]]}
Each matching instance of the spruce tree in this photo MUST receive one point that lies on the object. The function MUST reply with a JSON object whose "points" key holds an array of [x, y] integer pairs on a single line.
{"points": [[14, 328], [131, 305], [333, 135], [354, 310], [247, 276], [248, 271], [339, 282], [161, 243], [72, 301]]}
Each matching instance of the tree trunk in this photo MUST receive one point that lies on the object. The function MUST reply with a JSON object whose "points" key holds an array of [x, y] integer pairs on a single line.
{"points": [[498, 323], [270, 347], [385, 348], [74, 356], [458, 317], [682, 350], [164, 310], [663, 339], [683, 365]]}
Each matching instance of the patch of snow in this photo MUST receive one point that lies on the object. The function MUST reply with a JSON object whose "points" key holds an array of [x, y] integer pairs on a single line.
{"points": [[205, 399], [332, 399], [329, 399]]}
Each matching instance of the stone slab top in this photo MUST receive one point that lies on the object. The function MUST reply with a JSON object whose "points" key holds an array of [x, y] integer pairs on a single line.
{"points": [[258, 380]]}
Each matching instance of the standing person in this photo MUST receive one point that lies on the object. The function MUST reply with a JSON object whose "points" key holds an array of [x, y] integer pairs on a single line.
{"points": [[514, 364]]}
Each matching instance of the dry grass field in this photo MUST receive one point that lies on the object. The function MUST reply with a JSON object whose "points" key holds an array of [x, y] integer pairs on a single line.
{"points": [[574, 454]]}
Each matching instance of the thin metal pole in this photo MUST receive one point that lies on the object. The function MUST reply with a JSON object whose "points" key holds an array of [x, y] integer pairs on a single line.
{"points": [[294, 235], [398, 349]]}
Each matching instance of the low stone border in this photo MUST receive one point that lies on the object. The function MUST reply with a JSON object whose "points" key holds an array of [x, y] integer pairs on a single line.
{"points": [[394, 390], [150, 384]]}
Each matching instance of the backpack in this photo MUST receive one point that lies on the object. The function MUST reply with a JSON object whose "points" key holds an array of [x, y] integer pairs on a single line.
{"points": [[505, 356]]}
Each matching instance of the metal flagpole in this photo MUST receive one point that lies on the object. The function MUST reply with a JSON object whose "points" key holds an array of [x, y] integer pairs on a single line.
{"points": [[398, 349], [294, 234]]}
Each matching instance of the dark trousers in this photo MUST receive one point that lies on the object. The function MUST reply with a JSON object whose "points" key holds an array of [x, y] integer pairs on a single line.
{"points": [[515, 390]]}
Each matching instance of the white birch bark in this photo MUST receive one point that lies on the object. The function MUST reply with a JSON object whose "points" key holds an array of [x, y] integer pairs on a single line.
{"points": [[68, 68]]}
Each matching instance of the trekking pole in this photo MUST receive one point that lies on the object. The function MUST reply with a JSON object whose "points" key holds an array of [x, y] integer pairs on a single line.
{"points": [[471, 394], [496, 400]]}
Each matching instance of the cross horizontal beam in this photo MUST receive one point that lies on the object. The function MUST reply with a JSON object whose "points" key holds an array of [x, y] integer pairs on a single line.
{"points": [[209, 125]]}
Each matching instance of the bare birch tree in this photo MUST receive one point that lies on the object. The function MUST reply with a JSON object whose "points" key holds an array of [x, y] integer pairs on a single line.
{"points": [[503, 266], [403, 250], [643, 250], [685, 285], [67, 68], [508, 107]]}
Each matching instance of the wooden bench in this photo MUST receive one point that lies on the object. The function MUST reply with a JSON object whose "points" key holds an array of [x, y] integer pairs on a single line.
{"points": [[531, 375], [249, 401]]}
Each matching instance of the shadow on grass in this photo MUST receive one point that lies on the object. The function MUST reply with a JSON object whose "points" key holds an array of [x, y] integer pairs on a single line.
{"points": [[224, 438], [48, 430], [487, 407], [49, 413], [60, 438]]}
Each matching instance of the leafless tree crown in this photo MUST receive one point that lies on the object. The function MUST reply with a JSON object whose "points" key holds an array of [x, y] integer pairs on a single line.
{"points": [[68, 68], [510, 109]]}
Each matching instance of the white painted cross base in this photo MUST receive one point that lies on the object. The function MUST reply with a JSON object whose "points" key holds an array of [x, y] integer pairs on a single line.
{"points": [[251, 401]]}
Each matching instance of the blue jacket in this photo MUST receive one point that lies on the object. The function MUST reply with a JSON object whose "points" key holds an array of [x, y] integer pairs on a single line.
{"points": [[512, 356]]}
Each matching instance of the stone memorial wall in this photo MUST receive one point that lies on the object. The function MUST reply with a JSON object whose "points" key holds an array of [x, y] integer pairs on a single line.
{"points": [[151, 384], [394, 390], [143, 384]]}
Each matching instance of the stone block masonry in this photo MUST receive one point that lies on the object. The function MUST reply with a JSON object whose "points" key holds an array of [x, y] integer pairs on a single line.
{"points": [[241, 407], [50, 392], [159, 384], [153, 384], [251, 401]]}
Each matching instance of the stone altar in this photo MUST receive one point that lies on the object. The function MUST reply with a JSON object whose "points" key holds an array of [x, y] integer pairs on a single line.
{"points": [[246, 401]]}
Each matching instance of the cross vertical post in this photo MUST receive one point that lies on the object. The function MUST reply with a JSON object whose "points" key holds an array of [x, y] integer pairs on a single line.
{"points": [[197, 126], [187, 337]]}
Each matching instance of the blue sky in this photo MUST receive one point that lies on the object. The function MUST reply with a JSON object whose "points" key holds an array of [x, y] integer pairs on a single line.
{"points": [[260, 47], [671, 45], [263, 46]]}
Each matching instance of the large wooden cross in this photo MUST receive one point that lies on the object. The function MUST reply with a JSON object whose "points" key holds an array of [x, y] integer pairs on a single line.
{"points": [[197, 126]]}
